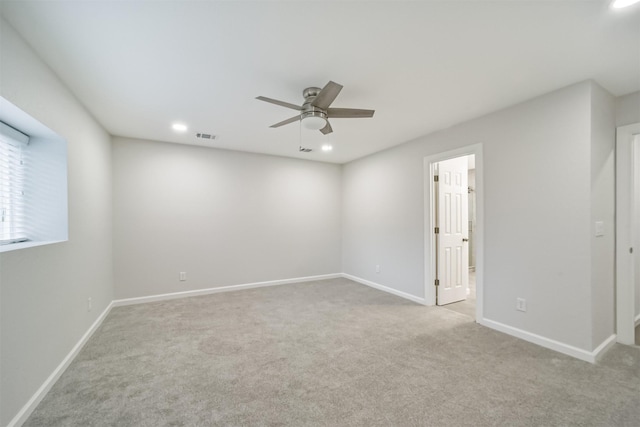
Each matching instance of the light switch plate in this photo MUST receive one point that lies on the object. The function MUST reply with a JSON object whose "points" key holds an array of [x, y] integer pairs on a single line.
{"points": [[599, 228]]}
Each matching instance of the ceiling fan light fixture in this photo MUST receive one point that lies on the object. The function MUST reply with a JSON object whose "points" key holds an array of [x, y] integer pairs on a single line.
{"points": [[314, 122]]}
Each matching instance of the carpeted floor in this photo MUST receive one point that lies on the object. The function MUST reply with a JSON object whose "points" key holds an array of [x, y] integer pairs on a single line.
{"points": [[330, 353]]}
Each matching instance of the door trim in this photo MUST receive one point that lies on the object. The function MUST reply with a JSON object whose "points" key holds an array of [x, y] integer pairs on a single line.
{"points": [[429, 223], [625, 288]]}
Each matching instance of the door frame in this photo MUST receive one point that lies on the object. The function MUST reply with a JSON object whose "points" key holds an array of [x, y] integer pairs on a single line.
{"points": [[429, 223], [626, 170]]}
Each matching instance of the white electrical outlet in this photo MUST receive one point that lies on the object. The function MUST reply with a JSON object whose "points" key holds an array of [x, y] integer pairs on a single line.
{"points": [[377, 268], [89, 304], [183, 276], [521, 304]]}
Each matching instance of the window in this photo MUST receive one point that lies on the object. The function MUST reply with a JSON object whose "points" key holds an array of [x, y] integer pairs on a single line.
{"points": [[13, 166], [33, 182]]}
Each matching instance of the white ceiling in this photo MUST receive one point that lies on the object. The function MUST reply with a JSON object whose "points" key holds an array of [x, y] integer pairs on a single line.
{"points": [[138, 66]]}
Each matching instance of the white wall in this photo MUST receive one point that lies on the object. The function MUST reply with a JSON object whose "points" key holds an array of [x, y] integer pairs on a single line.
{"points": [[223, 217], [603, 131], [44, 290], [628, 109], [537, 210]]}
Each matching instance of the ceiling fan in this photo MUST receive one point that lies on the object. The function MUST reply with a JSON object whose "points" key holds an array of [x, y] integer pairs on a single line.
{"points": [[315, 112]]}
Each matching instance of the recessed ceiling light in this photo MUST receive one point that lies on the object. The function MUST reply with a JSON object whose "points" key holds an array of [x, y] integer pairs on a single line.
{"points": [[327, 147], [179, 127], [619, 4]]}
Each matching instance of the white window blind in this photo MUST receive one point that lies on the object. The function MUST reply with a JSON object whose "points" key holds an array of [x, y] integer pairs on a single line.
{"points": [[13, 175]]}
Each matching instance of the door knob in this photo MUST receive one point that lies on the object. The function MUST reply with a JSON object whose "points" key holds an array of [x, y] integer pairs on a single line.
{"points": [[465, 239]]}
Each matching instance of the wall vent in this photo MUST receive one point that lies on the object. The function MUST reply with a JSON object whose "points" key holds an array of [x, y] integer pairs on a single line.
{"points": [[206, 136]]}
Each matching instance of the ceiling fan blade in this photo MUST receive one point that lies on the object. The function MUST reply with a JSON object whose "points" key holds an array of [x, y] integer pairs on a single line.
{"points": [[327, 95], [327, 129], [345, 113], [280, 103], [286, 122]]}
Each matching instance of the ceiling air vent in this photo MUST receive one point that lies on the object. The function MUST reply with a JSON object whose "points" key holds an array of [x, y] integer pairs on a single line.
{"points": [[305, 150], [205, 136]]}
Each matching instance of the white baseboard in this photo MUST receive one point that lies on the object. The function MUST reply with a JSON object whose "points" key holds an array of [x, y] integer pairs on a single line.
{"points": [[197, 292], [604, 347], [385, 289], [32, 403], [569, 350]]}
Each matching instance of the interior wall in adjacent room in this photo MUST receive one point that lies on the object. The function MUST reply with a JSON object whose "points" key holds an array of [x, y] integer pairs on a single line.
{"points": [[628, 109]]}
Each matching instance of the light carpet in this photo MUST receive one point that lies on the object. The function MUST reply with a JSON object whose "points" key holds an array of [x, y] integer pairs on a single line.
{"points": [[328, 353]]}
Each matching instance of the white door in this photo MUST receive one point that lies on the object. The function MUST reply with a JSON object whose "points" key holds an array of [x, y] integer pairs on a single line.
{"points": [[452, 249]]}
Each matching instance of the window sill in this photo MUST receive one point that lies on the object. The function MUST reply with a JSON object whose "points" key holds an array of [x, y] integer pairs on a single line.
{"points": [[23, 245]]}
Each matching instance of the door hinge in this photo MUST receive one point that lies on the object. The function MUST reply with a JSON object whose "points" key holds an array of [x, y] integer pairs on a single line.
{"points": [[436, 178], [436, 230], [437, 282]]}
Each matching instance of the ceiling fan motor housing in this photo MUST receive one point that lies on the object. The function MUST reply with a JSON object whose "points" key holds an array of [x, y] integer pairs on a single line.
{"points": [[310, 92], [308, 109], [314, 112]]}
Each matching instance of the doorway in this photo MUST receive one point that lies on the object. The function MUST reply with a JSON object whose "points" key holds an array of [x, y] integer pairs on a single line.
{"points": [[453, 230], [628, 234]]}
